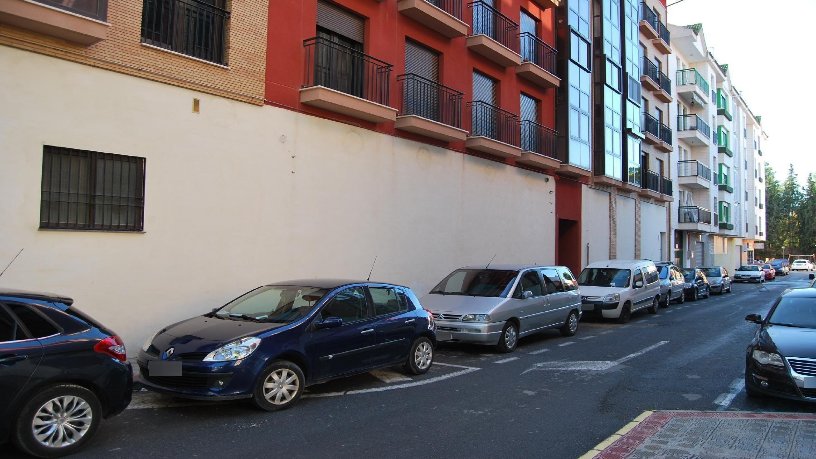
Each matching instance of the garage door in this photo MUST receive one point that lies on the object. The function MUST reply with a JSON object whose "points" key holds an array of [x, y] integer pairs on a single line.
{"points": [[697, 255]]}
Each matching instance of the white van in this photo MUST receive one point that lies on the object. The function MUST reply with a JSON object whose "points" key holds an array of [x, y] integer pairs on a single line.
{"points": [[614, 289]]}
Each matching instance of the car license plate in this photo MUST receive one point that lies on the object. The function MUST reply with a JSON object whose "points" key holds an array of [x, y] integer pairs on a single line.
{"points": [[163, 368], [810, 382], [443, 336]]}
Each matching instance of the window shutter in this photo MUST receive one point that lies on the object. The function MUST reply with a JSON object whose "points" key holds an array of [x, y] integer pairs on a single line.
{"points": [[483, 89], [529, 108], [421, 61], [340, 21]]}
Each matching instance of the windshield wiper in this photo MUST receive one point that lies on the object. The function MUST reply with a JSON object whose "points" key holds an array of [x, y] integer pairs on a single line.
{"points": [[244, 316]]}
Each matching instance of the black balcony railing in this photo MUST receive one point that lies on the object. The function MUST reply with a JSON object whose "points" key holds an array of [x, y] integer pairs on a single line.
{"points": [[647, 14], [665, 133], [663, 31], [651, 181], [650, 70], [538, 139], [693, 123], [694, 214], [537, 52], [693, 169], [190, 27], [651, 125], [429, 99], [488, 21], [666, 187], [494, 123], [665, 82], [452, 7], [345, 69], [97, 9]]}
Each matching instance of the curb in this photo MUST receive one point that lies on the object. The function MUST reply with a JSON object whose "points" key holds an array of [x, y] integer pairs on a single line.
{"points": [[600, 447]]}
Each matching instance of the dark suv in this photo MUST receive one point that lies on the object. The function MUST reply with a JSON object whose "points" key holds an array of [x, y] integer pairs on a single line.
{"points": [[61, 372]]}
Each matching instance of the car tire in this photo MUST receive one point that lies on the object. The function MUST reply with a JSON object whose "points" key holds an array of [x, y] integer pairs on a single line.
{"points": [[653, 308], [694, 294], [570, 325], [279, 386], [708, 292], [421, 356], [682, 298], [667, 302], [625, 314], [75, 402], [508, 340]]}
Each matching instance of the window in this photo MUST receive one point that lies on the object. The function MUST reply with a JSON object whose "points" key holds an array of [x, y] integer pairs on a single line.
{"points": [[386, 300], [88, 190], [349, 305], [549, 286], [37, 325], [638, 277], [9, 328], [569, 281], [552, 276], [96, 9], [529, 282], [197, 28]]}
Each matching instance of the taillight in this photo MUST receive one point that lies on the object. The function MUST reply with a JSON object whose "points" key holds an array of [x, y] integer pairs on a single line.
{"points": [[112, 346]]}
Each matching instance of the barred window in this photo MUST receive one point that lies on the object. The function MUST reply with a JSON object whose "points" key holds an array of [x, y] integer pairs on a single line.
{"points": [[89, 190]]}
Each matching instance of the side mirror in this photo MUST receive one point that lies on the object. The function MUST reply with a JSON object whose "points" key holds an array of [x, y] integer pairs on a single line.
{"points": [[329, 322], [639, 284], [811, 276], [755, 318], [526, 294]]}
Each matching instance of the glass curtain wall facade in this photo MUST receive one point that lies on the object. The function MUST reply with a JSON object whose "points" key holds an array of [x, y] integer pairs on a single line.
{"points": [[579, 83], [632, 59], [612, 91]]}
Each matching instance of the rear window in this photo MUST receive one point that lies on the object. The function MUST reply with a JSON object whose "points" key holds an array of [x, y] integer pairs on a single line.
{"points": [[477, 282], [748, 268], [712, 272], [604, 277], [37, 325]]}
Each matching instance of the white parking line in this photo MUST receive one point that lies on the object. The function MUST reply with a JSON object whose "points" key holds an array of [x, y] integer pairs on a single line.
{"points": [[540, 351], [724, 400], [600, 365], [566, 344], [510, 359], [587, 337]]}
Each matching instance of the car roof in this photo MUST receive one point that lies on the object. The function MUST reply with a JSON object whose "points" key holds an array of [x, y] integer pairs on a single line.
{"points": [[328, 283], [709, 267], [620, 264], [42, 296], [809, 292], [513, 267]]}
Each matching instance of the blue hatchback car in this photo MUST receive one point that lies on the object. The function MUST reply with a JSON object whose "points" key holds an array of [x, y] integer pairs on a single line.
{"points": [[272, 342]]}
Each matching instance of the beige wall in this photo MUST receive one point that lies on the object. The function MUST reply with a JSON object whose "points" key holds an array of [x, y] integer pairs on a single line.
{"points": [[239, 195], [626, 228], [653, 222], [595, 224]]}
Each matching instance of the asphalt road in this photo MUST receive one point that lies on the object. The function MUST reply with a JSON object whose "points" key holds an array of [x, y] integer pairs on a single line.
{"points": [[554, 397]]}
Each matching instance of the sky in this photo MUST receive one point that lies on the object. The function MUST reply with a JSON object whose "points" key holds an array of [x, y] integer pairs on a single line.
{"points": [[767, 46]]}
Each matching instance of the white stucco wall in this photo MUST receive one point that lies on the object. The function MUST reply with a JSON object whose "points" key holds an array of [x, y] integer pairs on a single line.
{"points": [[237, 196], [595, 224], [652, 224], [626, 228]]}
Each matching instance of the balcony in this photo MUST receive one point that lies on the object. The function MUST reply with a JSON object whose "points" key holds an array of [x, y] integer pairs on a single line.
{"points": [[760, 179], [693, 174], [724, 186], [346, 81], [494, 35], [664, 94], [650, 184], [430, 109], [722, 105], [443, 16], [726, 226], [493, 131], [761, 206], [189, 27], [657, 133], [538, 62], [650, 76], [692, 87], [666, 189], [693, 130], [544, 4], [693, 218], [665, 134], [538, 145], [654, 30], [82, 23], [723, 142], [663, 42]]}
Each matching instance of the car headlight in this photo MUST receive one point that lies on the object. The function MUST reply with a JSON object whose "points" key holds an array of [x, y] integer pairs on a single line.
{"points": [[767, 358], [149, 341], [476, 318], [236, 350], [611, 298]]}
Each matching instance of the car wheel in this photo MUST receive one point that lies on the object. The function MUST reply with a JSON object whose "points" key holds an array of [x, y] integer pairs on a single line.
{"points": [[708, 292], [571, 325], [279, 386], [653, 308], [420, 358], [729, 289], [57, 421], [694, 294], [509, 337], [665, 304], [682, 298], [626, 313]]}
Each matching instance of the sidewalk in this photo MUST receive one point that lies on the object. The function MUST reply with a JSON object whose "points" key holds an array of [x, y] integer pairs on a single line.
{"points": [[712, 434]]}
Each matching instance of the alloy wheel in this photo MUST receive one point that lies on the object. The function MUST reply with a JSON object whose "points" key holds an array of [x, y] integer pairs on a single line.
{"points": [[281, 386], [423, 356], [62, 421], [510, 337]]}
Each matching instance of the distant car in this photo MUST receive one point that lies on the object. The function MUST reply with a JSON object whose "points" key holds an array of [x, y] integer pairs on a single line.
{"points": [[801, 265], [614, 289], [718, 279], [780, 359], [500, 304], [697, 285], [770, 272], [781, 265], [268, 344], [749, 273], [672, 283], [61, 373]]}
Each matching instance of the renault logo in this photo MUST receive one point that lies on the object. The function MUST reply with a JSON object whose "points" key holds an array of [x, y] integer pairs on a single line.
{"points": [[169, 352]]}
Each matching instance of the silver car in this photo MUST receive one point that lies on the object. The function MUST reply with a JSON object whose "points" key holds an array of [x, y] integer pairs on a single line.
{"points": [[718, 278], [497, 305]]}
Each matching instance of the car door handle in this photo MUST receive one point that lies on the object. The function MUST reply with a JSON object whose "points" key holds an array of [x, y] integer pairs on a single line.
{"points": [[367, 331], [410, 321], [10, 359]]}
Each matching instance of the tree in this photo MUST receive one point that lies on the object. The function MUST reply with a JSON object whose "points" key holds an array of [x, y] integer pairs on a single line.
{"points": [[806, 212], [774, 239]]}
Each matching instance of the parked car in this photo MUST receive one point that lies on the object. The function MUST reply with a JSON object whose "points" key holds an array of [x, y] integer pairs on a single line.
{"points": [[271, 342], [718, 279], [801, 265], [770, 272], [614, 289], [781, 265], [780, 359], [61, 373], [697, 285], [749, 273], [671, 283], [500, 304]]}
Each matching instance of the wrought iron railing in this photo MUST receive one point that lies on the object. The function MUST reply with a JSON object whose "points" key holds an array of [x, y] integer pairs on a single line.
{"points": [[651, 180], [651, 125], [649, 69], [693, 214], [693, 123], [666, 187], [665, 82], [663, 32], [190, 27], [488, 21], [537, 52], [429, 99], [665, 133], [345, 69], [452, 7], [494, 123], [692, 76], [693, 168], [97, 9], [538, 139], [648, 15]]}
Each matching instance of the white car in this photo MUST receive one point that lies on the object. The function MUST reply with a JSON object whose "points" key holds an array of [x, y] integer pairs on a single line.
{"points": [[801, 265], [749, 273], [614, 289]]}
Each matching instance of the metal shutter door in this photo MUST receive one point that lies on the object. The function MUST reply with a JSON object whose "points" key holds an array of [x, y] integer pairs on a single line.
{"points": [[698, 254], [340, 21], [483, 89], [421, 61]]}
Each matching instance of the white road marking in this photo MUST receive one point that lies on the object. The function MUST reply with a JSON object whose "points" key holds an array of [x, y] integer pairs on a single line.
{"points": [[388, 376], [606, 331], [640, 352], [566, 344], [724, 400], [510, 359], [587, 337], [599, 365], [540, 351]]}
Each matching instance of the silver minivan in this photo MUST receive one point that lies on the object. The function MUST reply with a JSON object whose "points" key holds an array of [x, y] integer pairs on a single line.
{"points": [[497, 305]]}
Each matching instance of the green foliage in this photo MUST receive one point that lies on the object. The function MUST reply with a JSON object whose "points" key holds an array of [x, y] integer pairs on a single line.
{"points": [[790, 212]]}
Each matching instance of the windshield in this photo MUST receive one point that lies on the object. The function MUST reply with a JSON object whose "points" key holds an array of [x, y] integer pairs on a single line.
{"points": [[766, 266], [712, 272], [748, 268], [688, 274], [273, 303], [794, 312], [664, 272], [476, 282], [604, 277]]}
